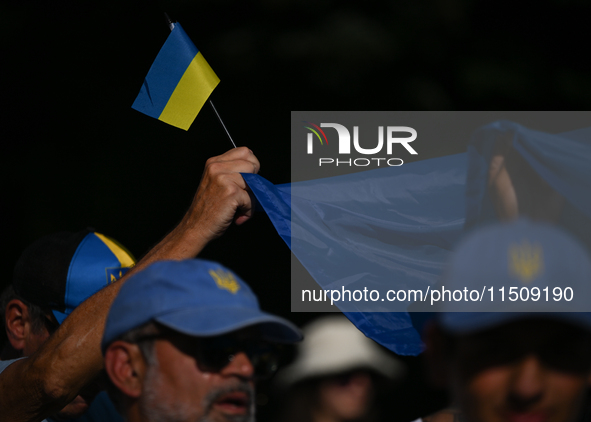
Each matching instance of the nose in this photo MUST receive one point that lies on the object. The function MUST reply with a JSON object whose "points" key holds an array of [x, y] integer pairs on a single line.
{"points": [[239, 366], [527, 382]]}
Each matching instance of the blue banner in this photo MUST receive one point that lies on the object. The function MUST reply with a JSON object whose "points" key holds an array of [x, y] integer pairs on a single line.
{"points": [[394, 228]]}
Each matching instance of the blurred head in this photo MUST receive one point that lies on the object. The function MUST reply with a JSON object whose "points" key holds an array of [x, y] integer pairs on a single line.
{"points": [[347, 396], [186, 341], [526, 370], [52, 276], [335, 374], [528, 360]]}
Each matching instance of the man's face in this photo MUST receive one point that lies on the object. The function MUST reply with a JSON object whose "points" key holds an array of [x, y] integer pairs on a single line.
{"points": [[526, 371], [177, 387], [346, 397]]}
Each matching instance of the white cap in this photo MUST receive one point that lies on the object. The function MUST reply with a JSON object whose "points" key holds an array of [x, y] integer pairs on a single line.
{"points": [[333, 345]]}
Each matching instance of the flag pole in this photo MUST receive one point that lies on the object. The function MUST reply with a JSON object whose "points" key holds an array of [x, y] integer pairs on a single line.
{"points": [[222, 123], [171, 27]]}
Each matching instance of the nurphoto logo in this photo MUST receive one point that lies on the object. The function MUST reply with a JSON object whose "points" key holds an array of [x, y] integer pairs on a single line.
{"points": [[388, 137]]}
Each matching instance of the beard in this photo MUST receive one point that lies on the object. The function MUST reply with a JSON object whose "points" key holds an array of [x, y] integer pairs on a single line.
{"points": [[155, 409], [218, 393]]}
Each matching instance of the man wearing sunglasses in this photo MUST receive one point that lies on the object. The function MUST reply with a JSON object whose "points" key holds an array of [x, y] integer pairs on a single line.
{"points": [[186, 341], [517, 358], [55, 373]]}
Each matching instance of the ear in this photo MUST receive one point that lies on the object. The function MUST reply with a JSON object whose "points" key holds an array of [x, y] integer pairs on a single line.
{"points": [[18, 323], [436, 356], [126, 367]]}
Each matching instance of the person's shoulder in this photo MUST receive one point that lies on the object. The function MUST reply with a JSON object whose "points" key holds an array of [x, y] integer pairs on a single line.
{"points": [[101, 410], [6, 363]]}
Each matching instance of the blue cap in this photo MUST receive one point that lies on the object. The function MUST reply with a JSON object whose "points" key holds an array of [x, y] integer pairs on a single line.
{"points": [[518, 257], [195, 297], [63, 269]]}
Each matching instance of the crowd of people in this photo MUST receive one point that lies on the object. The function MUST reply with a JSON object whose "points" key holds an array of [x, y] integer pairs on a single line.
{"points": [[93, 335]]}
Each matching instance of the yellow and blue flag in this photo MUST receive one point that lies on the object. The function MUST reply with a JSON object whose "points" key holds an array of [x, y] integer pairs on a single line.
{"points": [[401, 234], [178, 83]]}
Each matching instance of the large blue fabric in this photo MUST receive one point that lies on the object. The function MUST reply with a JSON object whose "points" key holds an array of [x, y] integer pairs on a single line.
{"points": [[562, 160], [396, 226]]}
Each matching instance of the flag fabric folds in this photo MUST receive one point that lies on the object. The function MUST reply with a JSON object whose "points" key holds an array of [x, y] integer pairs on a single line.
{"points": [[178, 83], [396, 226], [393, 226], [561, 160]]}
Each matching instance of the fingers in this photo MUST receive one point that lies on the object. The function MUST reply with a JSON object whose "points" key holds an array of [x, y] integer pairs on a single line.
{"points": [[245, 212], [224, 170], [223, 195], [226, 173], [239, 159], [224, 186]]}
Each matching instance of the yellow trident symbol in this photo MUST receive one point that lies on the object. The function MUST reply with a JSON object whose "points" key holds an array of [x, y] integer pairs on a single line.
{"points": [[526, 261], [114, 279], [225, 280]]}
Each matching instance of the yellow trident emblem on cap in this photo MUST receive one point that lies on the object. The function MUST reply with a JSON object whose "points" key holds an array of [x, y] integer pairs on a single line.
{"points": [[526, 261], [225, 280]]}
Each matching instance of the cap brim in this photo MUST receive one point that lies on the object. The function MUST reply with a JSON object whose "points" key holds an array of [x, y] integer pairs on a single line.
{"points": [[204, 322], [60, 316]]}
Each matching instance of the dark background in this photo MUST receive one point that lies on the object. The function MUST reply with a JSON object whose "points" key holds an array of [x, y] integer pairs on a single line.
{"points": [[75, 154]]}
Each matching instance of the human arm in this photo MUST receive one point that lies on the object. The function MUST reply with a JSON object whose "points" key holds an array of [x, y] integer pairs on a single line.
{"points": [[517, 190], [42, 384], [222, 197]]}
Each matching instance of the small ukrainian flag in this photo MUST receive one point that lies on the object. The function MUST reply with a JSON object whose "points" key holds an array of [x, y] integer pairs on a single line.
{"points": [[178, 83]]}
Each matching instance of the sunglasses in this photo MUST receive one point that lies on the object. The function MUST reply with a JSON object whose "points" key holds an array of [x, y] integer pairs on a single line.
{"points": [[215, 353]]}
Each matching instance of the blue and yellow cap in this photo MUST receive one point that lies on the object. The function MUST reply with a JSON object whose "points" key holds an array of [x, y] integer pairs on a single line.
{"points": [[63, 269], [195, 297], [523, 269]]}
